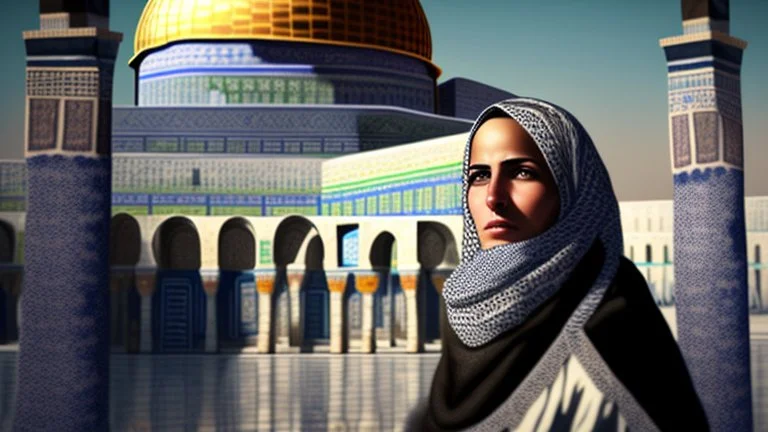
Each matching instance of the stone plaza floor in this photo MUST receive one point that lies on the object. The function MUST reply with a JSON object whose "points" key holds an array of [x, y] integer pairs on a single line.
{"points": [[287, 392]]}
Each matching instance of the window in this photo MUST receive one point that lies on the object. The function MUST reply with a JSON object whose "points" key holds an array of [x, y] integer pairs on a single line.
{"points": [[648, 255]]}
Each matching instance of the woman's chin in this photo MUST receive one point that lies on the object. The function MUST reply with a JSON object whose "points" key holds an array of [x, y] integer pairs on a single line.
{"points": [[501, 240]]}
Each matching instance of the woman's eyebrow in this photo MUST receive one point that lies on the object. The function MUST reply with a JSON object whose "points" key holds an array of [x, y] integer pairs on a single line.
{"points": [[517, 161], [478, 166]]}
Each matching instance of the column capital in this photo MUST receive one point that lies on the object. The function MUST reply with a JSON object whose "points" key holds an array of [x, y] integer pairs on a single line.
{"points": [[366, 281], [145, 281], [265, 281], [337, 280], [210, 280], [295, 277], [409, 280]]}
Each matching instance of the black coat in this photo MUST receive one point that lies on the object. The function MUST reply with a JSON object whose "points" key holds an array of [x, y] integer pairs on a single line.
{"points": [[627, 329]]}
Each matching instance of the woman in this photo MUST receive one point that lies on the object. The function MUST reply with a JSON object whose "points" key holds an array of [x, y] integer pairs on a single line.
{"points": [[548, 327]]}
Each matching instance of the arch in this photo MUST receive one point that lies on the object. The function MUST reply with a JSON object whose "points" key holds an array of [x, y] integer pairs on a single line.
{"points": [[237, 245], [176, 245], [315, 293], [385, 303], [125, 302], [237, 304], [289, 237], [436, 247], [124, 240], [179, 303], [315, 254], [381, 250], [297, 235]]}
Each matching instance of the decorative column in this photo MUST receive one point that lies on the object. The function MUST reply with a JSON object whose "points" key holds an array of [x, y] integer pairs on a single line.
{"points": [[65, 341], [296, 329], [409, 281], [145, 283], [337, 284], [265, 285], [210, 286], [366, 283], [706, 147]]}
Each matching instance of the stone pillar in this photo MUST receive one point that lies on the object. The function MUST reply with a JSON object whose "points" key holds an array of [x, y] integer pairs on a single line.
{"points": [[211, 286], [367, 282], [707, 155], [68, 118], [409, 281], [337, 284], [265, 285], [296, 328], [145, 283]]}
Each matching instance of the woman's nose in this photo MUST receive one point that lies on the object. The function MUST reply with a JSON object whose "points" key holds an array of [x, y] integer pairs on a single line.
{"points": [[498, 196]]}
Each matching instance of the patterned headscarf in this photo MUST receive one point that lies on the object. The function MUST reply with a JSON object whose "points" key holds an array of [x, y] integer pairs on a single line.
{"points": [[494, 290]]}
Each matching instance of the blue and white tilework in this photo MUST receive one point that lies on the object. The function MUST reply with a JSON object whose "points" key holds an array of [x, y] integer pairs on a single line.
{"points": [[63, 359]]}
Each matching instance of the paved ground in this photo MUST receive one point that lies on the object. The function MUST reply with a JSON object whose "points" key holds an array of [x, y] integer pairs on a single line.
{"points": [[289, 391]]}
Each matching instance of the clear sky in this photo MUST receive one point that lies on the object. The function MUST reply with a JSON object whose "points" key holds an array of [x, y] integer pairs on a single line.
{"points": [[599, 59]]}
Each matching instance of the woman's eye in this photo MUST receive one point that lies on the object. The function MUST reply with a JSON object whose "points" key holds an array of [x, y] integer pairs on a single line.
{"points": [[479, 177], [525, 174]]}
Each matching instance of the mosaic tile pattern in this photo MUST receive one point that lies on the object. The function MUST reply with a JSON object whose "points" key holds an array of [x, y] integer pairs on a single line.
{"points": [[733, 146], [43, 123], [681, 142], [376, 124], [78, 125], [59, 83], [224, 74], [707, 136], [419, 178], [711, 297], [65, 301]]}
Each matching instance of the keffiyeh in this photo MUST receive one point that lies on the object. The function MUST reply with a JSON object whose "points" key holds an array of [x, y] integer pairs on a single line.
{"points": [[493, 291]]}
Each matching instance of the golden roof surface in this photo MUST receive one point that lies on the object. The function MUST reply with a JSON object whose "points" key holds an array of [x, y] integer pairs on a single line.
{"points": [[393, 25]]}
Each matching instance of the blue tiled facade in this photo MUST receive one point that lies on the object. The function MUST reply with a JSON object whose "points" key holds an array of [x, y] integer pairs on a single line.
{"points": [[275, 72]]}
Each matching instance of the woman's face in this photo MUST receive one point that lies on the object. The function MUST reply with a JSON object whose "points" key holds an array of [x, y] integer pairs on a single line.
{"points": [[512, 195]]}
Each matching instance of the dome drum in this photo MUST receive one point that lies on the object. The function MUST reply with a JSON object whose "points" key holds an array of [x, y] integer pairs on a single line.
{"points": [[278, 72]]}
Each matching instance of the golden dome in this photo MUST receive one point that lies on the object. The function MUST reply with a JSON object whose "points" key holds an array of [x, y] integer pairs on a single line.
{"points": [[394, 25]]}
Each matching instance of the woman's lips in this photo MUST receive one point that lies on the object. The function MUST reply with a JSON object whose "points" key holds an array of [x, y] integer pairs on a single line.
{"points": [[500, 226]]}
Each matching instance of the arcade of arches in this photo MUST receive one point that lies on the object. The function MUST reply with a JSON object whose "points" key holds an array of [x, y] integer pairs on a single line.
{"points": [[300, 285]]}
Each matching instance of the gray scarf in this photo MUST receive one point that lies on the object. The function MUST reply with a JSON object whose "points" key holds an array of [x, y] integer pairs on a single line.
{"points": [[492, 291]]}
